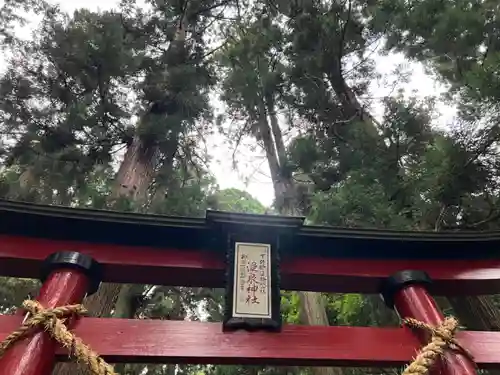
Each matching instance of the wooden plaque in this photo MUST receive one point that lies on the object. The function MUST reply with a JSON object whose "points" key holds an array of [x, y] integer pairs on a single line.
{"points": [[252, 287], [251, 281]]}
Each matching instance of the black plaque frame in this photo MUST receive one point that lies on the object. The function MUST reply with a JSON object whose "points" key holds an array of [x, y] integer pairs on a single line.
{"points": [[258, 229], [251, 324]]}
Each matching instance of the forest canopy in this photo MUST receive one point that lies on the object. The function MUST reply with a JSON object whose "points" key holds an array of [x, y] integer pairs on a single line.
{"points": [[133, 108]]}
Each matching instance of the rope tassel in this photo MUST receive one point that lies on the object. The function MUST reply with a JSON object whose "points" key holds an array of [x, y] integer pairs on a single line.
{"points": [[52, 321], [442, 338]]}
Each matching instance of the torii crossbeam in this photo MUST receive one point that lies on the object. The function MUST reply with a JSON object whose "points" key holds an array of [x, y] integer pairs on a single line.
{"points": [[135, 248]]}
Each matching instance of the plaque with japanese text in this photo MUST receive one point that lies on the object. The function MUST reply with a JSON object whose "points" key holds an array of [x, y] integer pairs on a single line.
{"points": [[253, 295], [253, 244], [252, 276]]}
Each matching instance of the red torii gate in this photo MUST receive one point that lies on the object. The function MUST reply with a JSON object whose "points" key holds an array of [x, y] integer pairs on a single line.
{"points": [[134, 248]]}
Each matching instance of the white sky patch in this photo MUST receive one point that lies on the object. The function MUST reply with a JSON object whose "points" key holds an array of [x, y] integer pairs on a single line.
{"points": [[252, 171]]}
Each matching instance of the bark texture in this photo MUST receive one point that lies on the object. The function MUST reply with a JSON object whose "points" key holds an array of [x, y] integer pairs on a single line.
{"points": [[136, 172], [312, 305], [99, 304], [477, 313], [133, 179]]}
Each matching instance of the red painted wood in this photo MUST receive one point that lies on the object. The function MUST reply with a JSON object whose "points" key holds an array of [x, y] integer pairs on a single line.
{"points": [[414, 301], [35, 355], [22, 257], [156, 341]]}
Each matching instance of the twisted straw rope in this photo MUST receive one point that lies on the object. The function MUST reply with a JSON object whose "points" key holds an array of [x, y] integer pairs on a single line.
{"points": [[52, 321], [442, 338]]}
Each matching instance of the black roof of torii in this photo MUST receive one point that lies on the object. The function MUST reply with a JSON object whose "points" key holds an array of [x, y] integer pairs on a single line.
{"points": [[98, 226]]}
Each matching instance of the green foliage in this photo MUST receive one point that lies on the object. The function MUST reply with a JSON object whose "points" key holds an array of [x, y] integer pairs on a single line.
{"points": [[290, 308], [358, 310], [14, 291], [253, 74], [359, 200], [234, 200], [89, 85], [457, 39], [15, 13]]}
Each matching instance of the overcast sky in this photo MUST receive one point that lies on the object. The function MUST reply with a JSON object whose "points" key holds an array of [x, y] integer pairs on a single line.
{"points": [[252, 173]]}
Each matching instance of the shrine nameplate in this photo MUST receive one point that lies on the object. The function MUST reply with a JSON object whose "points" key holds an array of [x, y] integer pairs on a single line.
{"points": [[252, 290], [252, 276]]}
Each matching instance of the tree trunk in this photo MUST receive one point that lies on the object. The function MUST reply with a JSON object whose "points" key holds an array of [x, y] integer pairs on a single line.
{"points": [[312, 305], [351, 106], [313, 313], [136, 171], [477, 313], [272, 157], [278, 137], [165, 180], [125, 308], [132, 181], [99, 304]]}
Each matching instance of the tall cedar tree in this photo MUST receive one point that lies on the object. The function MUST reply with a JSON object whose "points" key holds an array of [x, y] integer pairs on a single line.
{"points": [[459, 42], [65, 99], [174, 93], [251, 90], [259, 84], [307, 59]]}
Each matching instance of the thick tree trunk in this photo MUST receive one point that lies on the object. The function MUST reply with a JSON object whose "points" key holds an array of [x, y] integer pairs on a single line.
{"points": [[132, 181], [272, 158], [278, 136], [99, 304], [353, 109], [313, 313], [136, 171], [164, 177], [312, 305], [125, 308], [27, 183], [477, 313]]}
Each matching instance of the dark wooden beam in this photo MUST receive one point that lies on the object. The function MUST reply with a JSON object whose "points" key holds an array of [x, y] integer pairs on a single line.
{"points": [[155, 341], [209, 233], [22, 257]]}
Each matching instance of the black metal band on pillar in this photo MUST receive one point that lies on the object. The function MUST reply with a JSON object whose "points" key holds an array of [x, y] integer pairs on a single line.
{"points": [[252, 244], [393, 284], [77, 261], [407, 293], [67, 278]]}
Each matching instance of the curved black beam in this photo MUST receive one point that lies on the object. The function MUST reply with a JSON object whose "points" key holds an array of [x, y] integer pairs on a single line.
{"points": [[97, 226]]}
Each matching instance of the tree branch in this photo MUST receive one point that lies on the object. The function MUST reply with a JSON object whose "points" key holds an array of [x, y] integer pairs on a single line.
{"points": [[439, 220], [208, 9], [342, 37]]}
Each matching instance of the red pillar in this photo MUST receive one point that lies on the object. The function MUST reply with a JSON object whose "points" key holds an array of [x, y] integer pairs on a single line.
{"points": [[407, 293], [67, 278]]}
